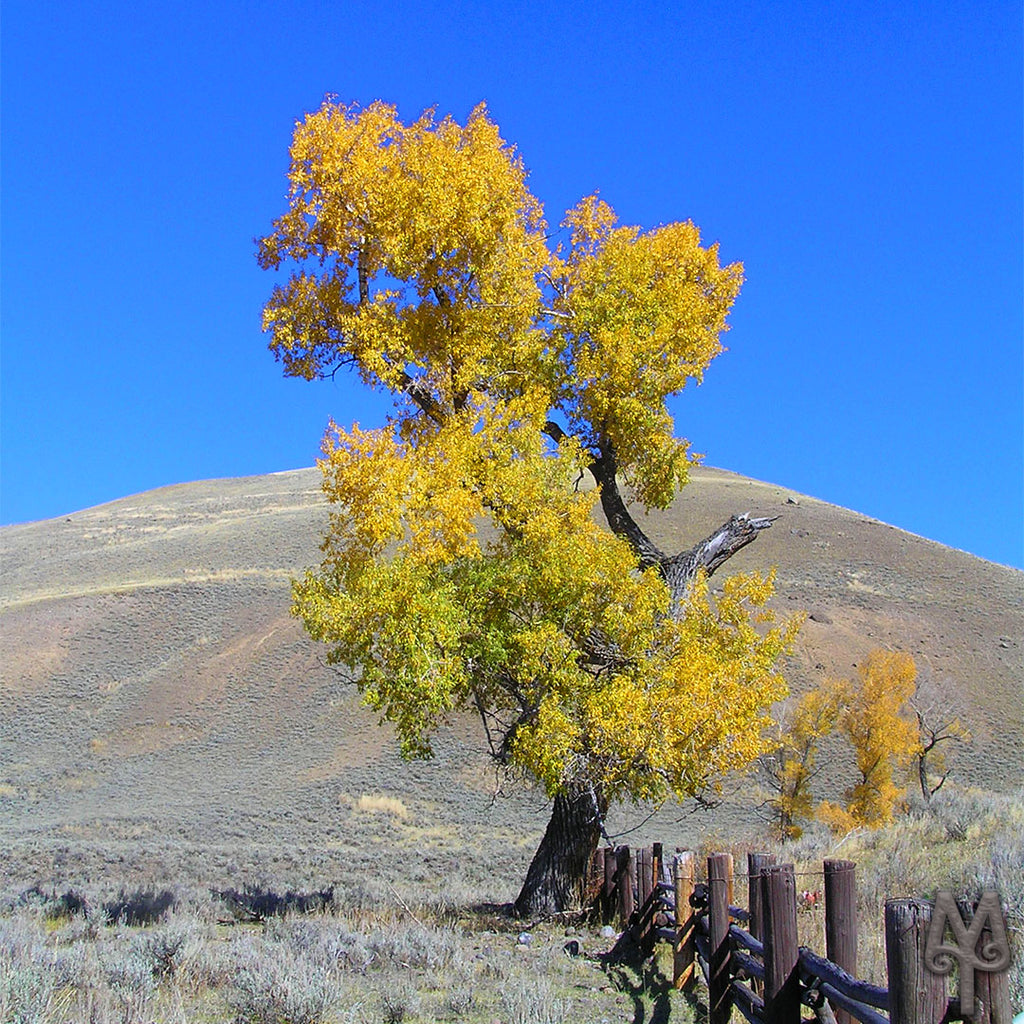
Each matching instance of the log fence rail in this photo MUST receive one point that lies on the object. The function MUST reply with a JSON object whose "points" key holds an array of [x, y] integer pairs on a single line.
{"points": [[750, 958]]}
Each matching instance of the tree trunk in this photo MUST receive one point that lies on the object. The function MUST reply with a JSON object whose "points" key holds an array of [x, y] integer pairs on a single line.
{"points": [[558, 875], [922, 774], [678, 571]]}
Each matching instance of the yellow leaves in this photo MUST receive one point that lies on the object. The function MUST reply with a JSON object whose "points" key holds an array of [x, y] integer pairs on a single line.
{"points": [[591, 222], [838, 818], [873, 715], [878, 715], [547, 747], [421, 261], [439, 210], [643, 315], [421, 252], [884, 737], [816, 714], [691, 705], [418, 496], [430, 613], [791, 765], [367, 475], [400, 625]]}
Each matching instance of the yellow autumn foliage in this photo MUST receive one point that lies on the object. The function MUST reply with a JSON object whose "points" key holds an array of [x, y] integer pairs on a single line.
{"points": [[791, 765], [879, 725], [463, 566]]}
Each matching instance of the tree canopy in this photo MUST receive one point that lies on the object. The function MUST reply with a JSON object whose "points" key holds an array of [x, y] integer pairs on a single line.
{"points": [[792, 766], [879, 725], [464, 565]]}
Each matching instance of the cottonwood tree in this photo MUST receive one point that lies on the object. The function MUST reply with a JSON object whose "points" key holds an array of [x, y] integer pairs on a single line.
{"points": [[791, 767], [464, 567], [881, 728], [940, 725]]}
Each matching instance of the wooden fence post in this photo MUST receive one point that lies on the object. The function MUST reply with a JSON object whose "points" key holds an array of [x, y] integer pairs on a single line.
{"points": [[841, 921], [756, 863], [644, 884], [781, 952], [730, 881], [644, 876], [916, 995], [684, 973], [625, 877], [719, 994], [991, 988], [609, 901]]}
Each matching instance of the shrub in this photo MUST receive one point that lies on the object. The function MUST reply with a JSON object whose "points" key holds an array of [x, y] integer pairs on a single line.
{"points": [[398, 1001], [325, 941], [273, 987], [461, 994], [25, 993], [415, 946], [533, 1002], [256, 903], [26, 975], [164, 949], [128, 972], [386, 804], [139, 908]]}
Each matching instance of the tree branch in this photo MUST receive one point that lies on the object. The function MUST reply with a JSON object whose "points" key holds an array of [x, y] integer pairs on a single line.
{"points": [[678, 570], [422, 397], [361, 272], [712, 552], [554, 431], [622, 524]]}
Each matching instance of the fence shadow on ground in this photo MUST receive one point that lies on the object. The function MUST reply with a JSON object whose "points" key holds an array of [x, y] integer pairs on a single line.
{"points": [[630, 968]]}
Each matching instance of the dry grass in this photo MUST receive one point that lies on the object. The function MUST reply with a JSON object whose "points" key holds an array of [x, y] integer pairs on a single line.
{"points": [[382, 804], [390, 953], [382, 964], [964, 841]]}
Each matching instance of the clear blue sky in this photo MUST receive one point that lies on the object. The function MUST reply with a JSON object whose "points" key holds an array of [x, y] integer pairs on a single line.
{"points": [[862, 159]]}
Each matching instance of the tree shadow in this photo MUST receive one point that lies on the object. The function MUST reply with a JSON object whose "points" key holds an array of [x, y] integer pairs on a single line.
{"points": [[635, 972], [508, 914]]}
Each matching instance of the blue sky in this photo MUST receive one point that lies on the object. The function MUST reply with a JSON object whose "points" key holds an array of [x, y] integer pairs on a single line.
{"points": [[863, 160]]}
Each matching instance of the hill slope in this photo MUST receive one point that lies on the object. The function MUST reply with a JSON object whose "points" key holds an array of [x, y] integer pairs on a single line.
{"points": [[159, 705]]}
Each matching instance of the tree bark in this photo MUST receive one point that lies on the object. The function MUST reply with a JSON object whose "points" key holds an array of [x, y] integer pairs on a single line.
{"points": [[922, 775], [621, 521], [557, 878], [712, 552]]}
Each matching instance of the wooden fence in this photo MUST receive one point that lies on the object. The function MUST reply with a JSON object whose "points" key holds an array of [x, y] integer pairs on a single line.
{"points": [[751, 960]]}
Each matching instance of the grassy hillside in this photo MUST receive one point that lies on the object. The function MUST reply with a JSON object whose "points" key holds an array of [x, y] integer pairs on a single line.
{"points": [[160, 708]]}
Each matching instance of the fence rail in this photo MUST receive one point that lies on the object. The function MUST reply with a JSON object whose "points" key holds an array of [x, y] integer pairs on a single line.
{"points": [[749, 958]]}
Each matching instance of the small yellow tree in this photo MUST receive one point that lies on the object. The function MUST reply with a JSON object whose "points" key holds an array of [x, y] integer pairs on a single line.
{"points": [[791, 766], [884, 736]]}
